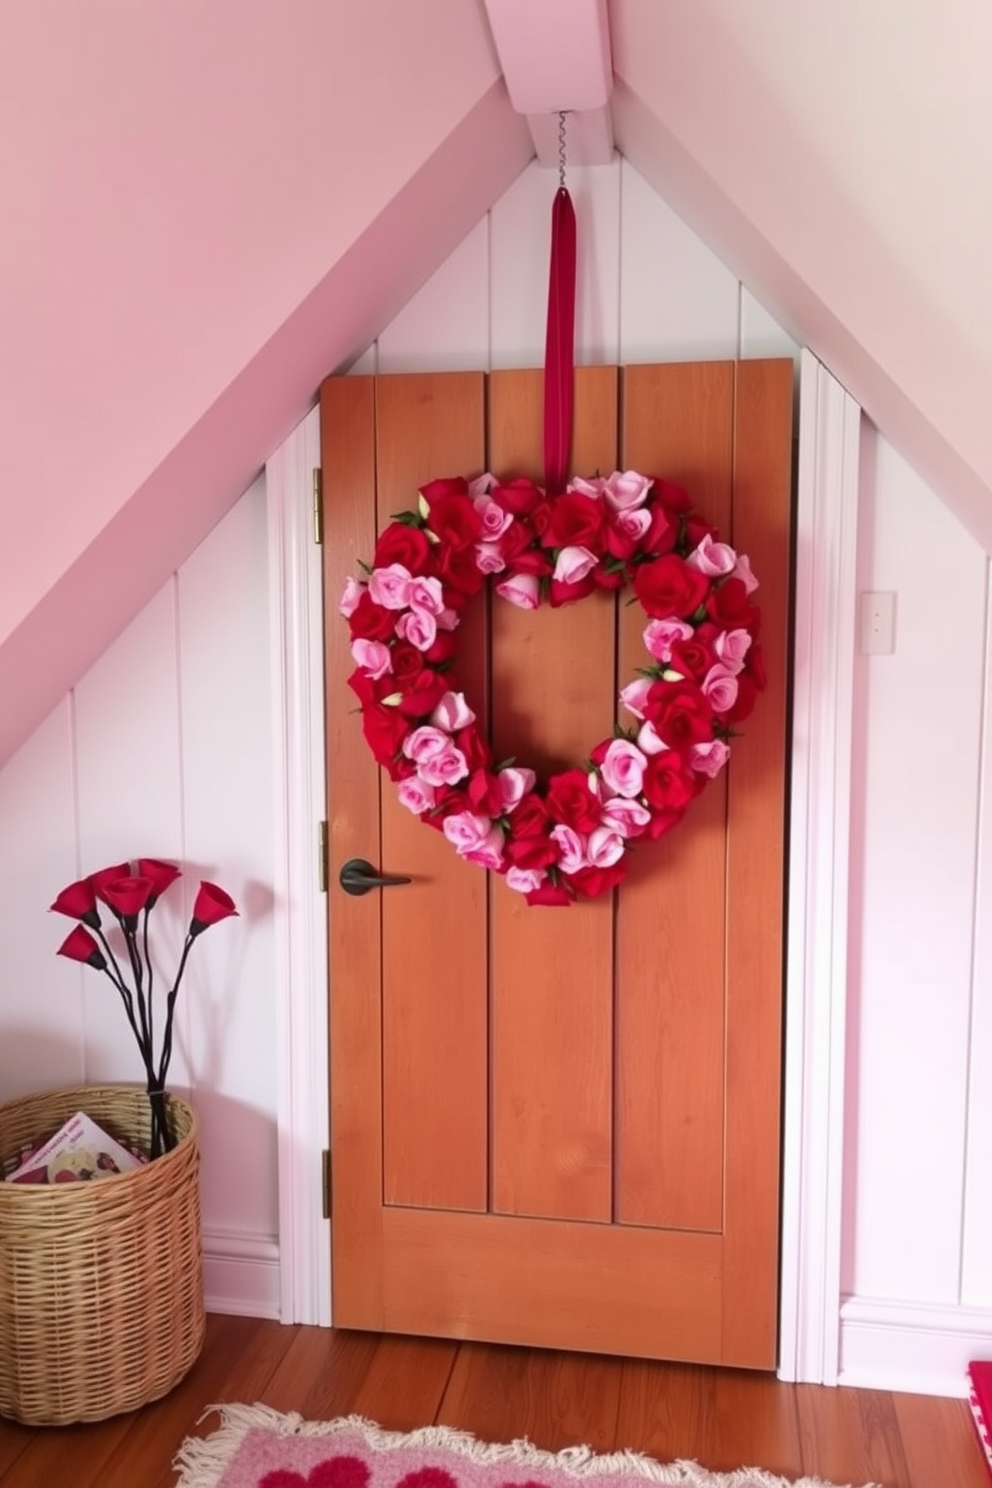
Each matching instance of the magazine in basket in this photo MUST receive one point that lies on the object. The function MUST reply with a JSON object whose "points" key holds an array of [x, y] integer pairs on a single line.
{"points": [[79, 1150]]}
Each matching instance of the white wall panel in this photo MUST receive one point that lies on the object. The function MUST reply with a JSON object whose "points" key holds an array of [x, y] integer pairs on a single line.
{"points": [[976, 1259], [41, 994], [129, 804], [917, 750], [521, 245], [230, 996], [445, 327], [678, 302], [760, 334]]}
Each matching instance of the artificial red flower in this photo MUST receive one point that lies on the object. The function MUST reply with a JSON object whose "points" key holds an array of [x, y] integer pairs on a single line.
{"points": [[589, 883], [107, 875], [669, 587], [549, 894], [371, 622], [79, 945], [577, 522], [78, 901], [161, 875], [401, 543], [210, 905], [453, 519], [517, 496], [571, 802], [128, 896], [681, 715]]}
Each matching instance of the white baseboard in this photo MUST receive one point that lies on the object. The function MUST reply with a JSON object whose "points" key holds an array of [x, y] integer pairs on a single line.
{"points": [[241, 1274], [917, 1348]]}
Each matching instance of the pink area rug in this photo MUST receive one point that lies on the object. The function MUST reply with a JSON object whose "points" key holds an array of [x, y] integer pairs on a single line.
{"points": [[256, 1447]]}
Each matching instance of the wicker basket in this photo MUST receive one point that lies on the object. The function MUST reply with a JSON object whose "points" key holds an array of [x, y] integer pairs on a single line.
{"points": [[101, 1283]]}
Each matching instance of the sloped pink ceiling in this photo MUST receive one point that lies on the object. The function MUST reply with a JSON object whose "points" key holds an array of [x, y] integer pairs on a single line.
{"points": [[206, 207]]}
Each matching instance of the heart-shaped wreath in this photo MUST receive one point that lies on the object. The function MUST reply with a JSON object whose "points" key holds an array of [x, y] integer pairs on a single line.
{"points": [[567, 837]]}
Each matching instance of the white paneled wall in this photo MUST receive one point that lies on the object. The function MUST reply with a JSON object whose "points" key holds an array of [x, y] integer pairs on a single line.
{"points": [[164, 748]]}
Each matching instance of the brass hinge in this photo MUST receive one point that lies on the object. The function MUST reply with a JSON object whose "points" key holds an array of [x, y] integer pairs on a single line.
{"points": [[325, 1182], [318, 506], [322, 857]]}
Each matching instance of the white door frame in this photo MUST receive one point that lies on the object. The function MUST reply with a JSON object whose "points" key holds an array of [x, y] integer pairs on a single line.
{"points": [[816, 950]]}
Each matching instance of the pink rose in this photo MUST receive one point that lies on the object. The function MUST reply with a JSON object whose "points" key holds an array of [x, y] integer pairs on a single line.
{"points": [[592, 487], [731, 646], [743, 572], [448, 620], [489, 853], [445, 768], [661, 635], [416, 795], [373, 657], [353, 592], [525, 880], [418, 627], [626, 491], [495, 520], [604, 848], [573, 565], [521, 590], [709, 758], [390, 586], [648, 741], [514, 783], [426, 594], [489, 559], [572, 848], [625, 818], [634, 696], [712, 558], [466, 831], [720, 686], [623, 768], [424, 743], [633, 524], [452, 712]]}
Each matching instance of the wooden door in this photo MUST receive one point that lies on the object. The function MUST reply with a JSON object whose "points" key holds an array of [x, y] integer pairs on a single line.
{"points": [[561, 1126]]}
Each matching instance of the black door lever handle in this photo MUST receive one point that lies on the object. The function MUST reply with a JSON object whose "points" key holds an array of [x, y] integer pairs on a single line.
{"points": [[358, 877]]}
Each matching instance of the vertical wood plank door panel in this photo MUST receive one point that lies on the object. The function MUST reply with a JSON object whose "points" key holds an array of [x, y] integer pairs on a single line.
{"points": [[549, 1126]]}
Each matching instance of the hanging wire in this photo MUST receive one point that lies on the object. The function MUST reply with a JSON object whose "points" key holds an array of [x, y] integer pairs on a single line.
{"points": [[561, 149]]}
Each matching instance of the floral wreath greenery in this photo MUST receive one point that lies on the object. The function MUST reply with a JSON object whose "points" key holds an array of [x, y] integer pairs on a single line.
{"points": [[566, 837]]}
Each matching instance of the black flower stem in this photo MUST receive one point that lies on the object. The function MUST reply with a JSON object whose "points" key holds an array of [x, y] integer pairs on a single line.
{"points": [[170, 1008], [159, 1131], [148, 966]]}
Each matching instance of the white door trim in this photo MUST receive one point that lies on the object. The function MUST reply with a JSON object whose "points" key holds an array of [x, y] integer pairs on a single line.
{"points": [[296, 617], [819, 834], [826, 528]]}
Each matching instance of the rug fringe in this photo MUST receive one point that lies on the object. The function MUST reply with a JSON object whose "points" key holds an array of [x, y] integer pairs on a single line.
{"points": [[201, 1460]]}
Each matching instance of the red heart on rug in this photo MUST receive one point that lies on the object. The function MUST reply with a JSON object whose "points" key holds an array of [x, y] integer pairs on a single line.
{"points": [[427, 1477], [333, 1472]]}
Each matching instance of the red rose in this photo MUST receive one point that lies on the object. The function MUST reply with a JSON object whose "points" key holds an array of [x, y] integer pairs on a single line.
{"points": [[402, 544], [443, 649], [696, 529], [561, 593], [530, 817], [478, 755], [550, 894], [663, 532], [681, 714], [423, 694], [453, 520], [485, 794], [613, 578], [729, 607], [588, 882], [406, 660], [571, 802], [536, 851], [384, 730], [460, 574], [518, 496], [448, 800], [620, 544], [448, 485], [540, 518], [747, 696], [669, 784], [107, 875], [576, 522], [692, 658], [670, 496], [668, 587], [370, 622], [515, 539], [533, 561]]}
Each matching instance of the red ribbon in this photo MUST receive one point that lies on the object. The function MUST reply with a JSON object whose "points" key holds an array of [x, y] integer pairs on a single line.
{"points": [[559, 351]]}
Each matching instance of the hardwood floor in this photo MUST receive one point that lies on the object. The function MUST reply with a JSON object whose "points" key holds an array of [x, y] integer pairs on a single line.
{"points": [[723, 1418]]}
